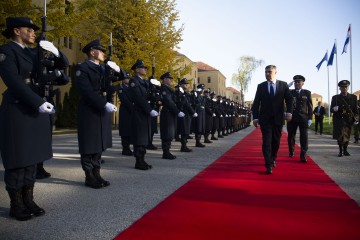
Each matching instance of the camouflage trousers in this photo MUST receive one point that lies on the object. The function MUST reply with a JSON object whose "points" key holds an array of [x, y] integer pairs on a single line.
{"points": [[344, 137]]}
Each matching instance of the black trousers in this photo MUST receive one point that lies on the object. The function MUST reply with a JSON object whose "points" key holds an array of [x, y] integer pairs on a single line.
{"points": [[90, 161], [319, 121], [125, 141], [292, 128], [271, 134], [166, 144], [17, 178]]}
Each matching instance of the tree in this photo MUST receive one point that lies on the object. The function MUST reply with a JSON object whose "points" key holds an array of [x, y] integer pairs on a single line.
{"points": [[242, 78]]}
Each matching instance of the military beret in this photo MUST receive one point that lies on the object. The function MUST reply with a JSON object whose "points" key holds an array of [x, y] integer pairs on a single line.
{"points": [[201, 85], [16, 22], [343, 83], [183, 81], [298, 77], [95, 44], [166, 75], [138, 64]]}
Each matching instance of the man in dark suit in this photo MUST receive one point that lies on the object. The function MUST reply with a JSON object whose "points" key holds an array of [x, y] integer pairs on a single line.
{"points": [[302, 117], [319, 112], [268, 113]]}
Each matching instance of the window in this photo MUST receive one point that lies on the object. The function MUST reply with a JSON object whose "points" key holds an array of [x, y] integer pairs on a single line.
{"points": [[66, 42], [70, 42], [209, 79]]}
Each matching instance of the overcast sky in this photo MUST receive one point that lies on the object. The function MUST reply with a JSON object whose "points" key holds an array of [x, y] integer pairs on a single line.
{"points": [[293, 35]]}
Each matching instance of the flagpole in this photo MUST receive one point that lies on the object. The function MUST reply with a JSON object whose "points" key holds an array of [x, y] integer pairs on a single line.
{"points": [[328, 93], [337, 77], [351, 85]]}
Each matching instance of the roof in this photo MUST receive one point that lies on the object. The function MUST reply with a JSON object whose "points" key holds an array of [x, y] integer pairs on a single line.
{"points": [[204, 67], [233, 90]]}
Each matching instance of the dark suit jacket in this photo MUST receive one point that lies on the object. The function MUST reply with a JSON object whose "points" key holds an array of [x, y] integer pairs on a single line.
{"points": [[266, 109], [322, 112], [302, 105]]}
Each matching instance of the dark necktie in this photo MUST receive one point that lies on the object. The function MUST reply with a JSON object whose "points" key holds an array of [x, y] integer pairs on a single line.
{"points": [[271, 91]]}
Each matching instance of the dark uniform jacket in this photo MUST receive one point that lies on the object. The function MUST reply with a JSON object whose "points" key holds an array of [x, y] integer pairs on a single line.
{"points": [[94, 122], [25, 135], [266, 109], [209, 111], [302, 106], [183, 103], [140, 118], [346, 114], [199, 121], [169, 112], [125, 111]]}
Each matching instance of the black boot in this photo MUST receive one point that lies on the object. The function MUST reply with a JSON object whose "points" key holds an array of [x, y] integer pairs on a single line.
{"points": [[91, 181], [303, 156], [141, 164], [340, 151], [28, 197], [151, 147], [96, 173], [199, 144], [206, 136], [213, 137], [184, 148], [41, 173], [346, 153], [126, 151], [17, 207], [168, 155], [219, 135]]}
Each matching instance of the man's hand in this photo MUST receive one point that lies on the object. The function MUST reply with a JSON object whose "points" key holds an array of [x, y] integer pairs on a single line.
{"points": [[256, 123], [309, 122], [336, 108], [288, 117]]}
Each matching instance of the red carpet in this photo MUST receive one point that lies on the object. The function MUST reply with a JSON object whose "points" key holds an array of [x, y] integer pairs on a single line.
{"points": [[234, 199]]}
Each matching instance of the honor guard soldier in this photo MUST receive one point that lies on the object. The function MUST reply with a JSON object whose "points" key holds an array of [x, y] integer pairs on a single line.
{"points": [[345, 114], [199, 122], [142, 114], [209, 115], [25, 136], [221, 116], [168, 116], [183, 99], [125, 112], [301, 118], [216, 116], [94, 112]]}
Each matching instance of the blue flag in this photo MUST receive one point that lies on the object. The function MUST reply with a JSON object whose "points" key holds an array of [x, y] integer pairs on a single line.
{"points": [[347, 41], [325, 58], [333, 52]]}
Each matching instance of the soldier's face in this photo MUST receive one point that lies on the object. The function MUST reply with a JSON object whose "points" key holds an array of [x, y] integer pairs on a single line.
{"points": [[25, 35], [98, 55], [343, 89], [185, 86], [141, 71], [298, 84]]}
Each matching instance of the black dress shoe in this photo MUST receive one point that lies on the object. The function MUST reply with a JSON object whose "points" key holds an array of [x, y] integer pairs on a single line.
{"points": [[143, 166], [340, 154], [291, 154], [185, 149], [207, 141], [214, 138], [199, 144], [274, 164], [168, 156], [190, 137], [268, 170], [303, 159]]}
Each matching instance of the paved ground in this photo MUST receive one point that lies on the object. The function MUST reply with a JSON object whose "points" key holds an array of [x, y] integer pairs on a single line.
{"points": [[78, 212]]}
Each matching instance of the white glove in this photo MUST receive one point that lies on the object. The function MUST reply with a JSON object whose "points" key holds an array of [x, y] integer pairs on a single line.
{"points": [[110, 107], [214, 115], [195, 115], [154, 113], [47, 107], [199, 89], [309, 122], [226, 115], [155, 82], [49, 46], [336, 108], [221, 115], [356, 123], [233, 115], [113, 65], [181, 114]]}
